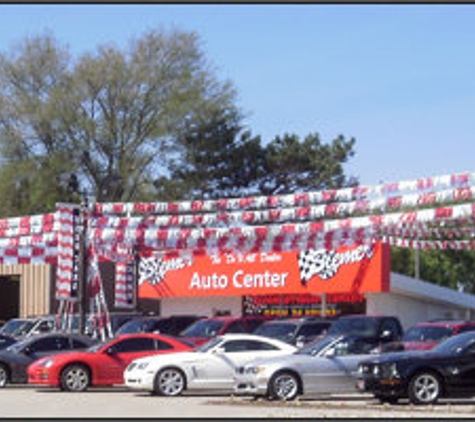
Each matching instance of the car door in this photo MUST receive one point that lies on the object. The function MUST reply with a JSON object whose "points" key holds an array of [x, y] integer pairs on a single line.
{"points": [[112, 360], [47, 346], [35, 350], [335, 370], [462, 370], [217, 370]]}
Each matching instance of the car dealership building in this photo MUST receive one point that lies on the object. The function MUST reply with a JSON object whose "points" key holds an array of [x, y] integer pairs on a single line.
{"points": [[292, 284]]}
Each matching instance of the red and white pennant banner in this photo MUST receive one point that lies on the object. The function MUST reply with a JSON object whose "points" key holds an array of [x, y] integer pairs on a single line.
{"points": [[34, 240], [67, 273], [28, 255], [311, 213], [467, 245], [225, 238], [461, 180], [30, 225]]}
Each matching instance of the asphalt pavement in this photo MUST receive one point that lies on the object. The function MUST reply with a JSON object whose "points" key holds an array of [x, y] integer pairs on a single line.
{"points": [[118, 402]]}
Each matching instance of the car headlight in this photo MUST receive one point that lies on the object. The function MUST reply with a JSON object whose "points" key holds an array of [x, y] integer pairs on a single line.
{"points": [[47, 363], [142, 365], [386, 370]]}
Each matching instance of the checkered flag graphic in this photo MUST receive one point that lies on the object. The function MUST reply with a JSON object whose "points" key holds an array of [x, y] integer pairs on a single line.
{"points": [[316, 262]]}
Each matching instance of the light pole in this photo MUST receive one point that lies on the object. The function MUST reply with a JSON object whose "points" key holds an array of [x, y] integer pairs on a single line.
{"points": [[83, 291]]}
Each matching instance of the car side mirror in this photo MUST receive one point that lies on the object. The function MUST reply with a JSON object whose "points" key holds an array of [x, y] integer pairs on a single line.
{"points": [[219, 351], [300, 341], [27, 350], [110, 351], [330, 353]]}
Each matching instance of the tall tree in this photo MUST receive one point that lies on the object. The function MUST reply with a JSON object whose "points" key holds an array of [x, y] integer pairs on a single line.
{"points": [[294, 165], [218, 160], [223, 160], [113, 117]]}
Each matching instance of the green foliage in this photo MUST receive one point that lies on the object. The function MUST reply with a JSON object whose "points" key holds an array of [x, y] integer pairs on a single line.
{"points": [[454, 269], [293, 165], [223, 161], [113, 117]]}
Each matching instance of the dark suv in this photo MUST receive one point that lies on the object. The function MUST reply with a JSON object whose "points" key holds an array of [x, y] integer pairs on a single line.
{"points": [[296, 331], [426, 335], [377, 330], [205, 329], [171, 325]]}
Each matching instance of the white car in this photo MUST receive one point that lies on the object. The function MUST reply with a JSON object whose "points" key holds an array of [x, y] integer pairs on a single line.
{"points": [[210, 367]]}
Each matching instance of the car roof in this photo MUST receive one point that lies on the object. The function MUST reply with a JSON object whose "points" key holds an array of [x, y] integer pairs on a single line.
{"points": [[223, 318], [298, 320], [138, 335], [60, 334], [250, 336], [443, 323], [375, 316]]}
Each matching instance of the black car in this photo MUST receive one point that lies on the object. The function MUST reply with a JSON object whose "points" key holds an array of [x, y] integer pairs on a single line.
{"points": [[448, 370], [14, 360], [6, 341], [378, 329], [296, 331], [171, 325]]}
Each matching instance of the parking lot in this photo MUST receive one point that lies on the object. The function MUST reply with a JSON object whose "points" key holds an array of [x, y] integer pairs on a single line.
{"points": [[118, 402]]}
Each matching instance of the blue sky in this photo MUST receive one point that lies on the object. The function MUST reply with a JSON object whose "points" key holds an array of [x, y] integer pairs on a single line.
{"points": [[398, 78]]}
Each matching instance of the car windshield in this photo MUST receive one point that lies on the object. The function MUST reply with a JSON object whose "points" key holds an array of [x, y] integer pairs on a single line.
{"points": [[96, 346], [455, 345], [132, 326], [12, 326], [24, 328], [204, 328], [317, 346], [279, 330], [363, 327], [427, 333], [209, 345]]}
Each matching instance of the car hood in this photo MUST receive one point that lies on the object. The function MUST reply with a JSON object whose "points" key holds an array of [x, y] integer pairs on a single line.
{"points": [[63, 356], [411, 355], [418, 345], [6, 354]]}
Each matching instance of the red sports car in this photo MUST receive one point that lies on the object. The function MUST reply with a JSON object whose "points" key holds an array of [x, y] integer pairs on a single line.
{"points": [[102, 364]]}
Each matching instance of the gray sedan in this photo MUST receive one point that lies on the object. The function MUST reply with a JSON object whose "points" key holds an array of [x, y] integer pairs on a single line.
{"points": [[328, 365]]}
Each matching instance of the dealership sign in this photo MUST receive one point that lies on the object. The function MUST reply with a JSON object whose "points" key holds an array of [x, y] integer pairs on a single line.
{"points": [[359, 269]]}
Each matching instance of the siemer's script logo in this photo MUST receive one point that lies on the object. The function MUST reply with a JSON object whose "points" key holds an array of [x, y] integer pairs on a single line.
{"points": [[155, 269], [326, 263]]}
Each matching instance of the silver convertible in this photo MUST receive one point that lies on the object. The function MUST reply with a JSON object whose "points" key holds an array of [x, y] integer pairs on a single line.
{"points": [[328, 365]]}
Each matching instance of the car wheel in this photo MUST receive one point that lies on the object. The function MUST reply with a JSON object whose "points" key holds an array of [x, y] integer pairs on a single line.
{"points": [[170, 382], [4, 376], [425, 388], [75, 378], [284, 386]]}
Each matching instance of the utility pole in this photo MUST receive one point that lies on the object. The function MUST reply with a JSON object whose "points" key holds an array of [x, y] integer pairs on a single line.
{"points": [[417, 264], [82, 303]]}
